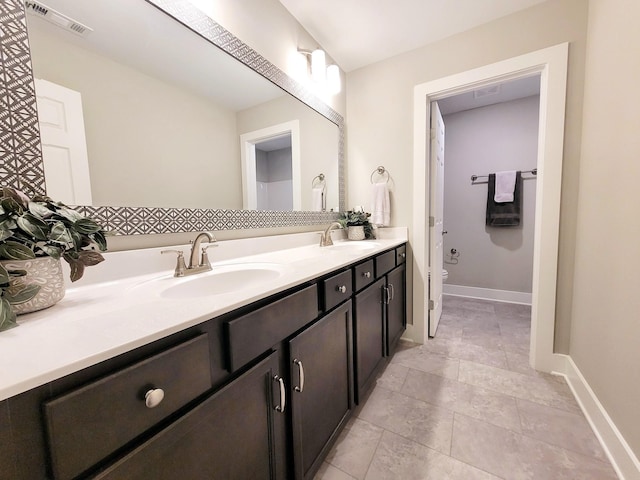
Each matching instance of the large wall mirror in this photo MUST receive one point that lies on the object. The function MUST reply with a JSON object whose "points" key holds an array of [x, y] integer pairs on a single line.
{"points": [[163, 100]]}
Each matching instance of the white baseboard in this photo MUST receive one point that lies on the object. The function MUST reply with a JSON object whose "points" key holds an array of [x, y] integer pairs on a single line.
{"points": [[624, 461], [487, 294]]}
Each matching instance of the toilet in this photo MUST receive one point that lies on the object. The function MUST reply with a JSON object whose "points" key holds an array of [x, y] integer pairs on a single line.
{"points": [[445, 275]]}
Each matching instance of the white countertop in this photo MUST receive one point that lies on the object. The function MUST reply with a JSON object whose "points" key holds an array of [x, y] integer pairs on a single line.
{"points": [[117, 308]]}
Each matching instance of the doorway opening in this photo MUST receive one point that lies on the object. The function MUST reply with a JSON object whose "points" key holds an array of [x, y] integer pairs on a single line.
{"points": [[551, 65], [271, 168], [493, 129]]}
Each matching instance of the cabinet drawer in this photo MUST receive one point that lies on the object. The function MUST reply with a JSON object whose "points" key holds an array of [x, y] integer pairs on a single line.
{"points": [[401, 254], [255, 333], [87, 424], [363, 275], [337, 289], [385, 262]]}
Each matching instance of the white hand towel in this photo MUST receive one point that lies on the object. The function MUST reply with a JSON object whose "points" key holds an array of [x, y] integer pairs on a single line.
{"points": [[317, 194], [505, 186], [380, 204]]}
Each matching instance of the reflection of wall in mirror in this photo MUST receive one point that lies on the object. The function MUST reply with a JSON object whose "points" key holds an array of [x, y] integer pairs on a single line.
{"points": [[318, 142], [149, 143]]}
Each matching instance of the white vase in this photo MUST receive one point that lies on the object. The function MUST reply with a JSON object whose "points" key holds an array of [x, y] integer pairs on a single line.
{"points": [[356, 232], [43, 271]]}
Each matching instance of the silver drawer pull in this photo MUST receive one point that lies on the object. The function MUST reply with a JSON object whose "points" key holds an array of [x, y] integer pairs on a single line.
{"points": [[153, 397], [403, 255], [341, 289], [283, 393], [366, 274], [300, 376]]}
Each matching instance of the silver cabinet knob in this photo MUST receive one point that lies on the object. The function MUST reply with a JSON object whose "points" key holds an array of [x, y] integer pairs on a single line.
{"points": [[153, 397], [366, 274], [403, 255], [341, 289]]}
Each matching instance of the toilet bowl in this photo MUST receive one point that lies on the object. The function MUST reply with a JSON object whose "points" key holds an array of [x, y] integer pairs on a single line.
{"points": [[445, 275]]}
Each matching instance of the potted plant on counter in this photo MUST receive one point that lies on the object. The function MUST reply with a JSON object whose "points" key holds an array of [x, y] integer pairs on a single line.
{"points": [[35, 233], [357, 225]]}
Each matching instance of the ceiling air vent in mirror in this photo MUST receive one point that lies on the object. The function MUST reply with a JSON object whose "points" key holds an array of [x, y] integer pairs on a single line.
{"points": [[49, 14]]}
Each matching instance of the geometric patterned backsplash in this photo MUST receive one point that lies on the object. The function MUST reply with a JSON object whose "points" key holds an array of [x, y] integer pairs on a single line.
{"points": [[21, 155]]}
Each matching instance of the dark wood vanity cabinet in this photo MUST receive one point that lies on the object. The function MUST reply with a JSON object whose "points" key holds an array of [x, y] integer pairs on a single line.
{"points": [[321, 387], [369, 333], [396, 314], [379, 317], [258, 393], [228, 436]]}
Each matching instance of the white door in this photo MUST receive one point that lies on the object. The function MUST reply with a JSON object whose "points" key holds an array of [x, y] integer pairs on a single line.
{"points": [[64, 148], [436, 213]]}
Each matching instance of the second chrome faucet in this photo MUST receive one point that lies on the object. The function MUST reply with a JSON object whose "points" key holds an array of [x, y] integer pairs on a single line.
{"points": [[198, 258]]}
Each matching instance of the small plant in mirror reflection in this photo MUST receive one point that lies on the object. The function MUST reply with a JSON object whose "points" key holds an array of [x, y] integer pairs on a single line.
{"points": [[354, 218], [39, 227]]}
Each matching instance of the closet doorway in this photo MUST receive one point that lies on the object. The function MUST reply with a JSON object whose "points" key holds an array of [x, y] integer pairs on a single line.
{"points": [[551, 65]]}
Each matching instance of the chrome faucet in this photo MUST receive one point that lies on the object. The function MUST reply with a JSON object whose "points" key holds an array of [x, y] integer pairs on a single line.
{"points": [[195, 265], [325, 237]]}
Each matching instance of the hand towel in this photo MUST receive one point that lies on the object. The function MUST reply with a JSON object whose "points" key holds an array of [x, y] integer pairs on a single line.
{"points": [[505, 214], [505, 185], [317, 198], [380, 204]]}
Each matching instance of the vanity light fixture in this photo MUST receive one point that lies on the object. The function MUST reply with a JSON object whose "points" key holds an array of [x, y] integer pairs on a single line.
{"points": [[329, 77]]}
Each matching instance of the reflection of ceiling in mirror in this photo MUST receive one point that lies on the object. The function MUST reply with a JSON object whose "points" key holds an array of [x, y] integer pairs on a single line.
{"points": [[177, 55]]}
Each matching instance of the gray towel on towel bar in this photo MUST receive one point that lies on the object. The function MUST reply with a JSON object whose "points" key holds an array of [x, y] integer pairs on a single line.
{"points": [[505, 214]]}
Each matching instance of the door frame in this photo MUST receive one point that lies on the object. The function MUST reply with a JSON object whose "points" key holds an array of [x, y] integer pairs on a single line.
{"points": [[248, 161], [551, 64]]}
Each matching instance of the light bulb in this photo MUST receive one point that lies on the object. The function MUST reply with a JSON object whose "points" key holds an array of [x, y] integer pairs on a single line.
{"points": [[318, 66], [333, 79]]}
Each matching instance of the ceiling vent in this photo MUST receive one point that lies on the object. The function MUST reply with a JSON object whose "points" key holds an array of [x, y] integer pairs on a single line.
{"points": [[487, 92], [49, 14]]}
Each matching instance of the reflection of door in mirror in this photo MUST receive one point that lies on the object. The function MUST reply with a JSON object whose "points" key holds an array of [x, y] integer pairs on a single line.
{"points": [[271, 168], [64, 147]]}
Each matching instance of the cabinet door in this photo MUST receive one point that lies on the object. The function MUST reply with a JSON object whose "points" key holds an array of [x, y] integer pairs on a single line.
{"points": [[228, 437], [321, 387], [396, 310], [369, 335]]}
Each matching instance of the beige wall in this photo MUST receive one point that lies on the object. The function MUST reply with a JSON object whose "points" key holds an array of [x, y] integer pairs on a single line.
{"points": [[605, 332], [380, 113]]}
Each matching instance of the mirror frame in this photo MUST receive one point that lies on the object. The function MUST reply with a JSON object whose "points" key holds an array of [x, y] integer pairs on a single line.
{"points": [[21, 153]]}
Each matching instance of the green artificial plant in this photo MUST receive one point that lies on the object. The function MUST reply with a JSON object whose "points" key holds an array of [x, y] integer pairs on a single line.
{"points": [[39, 227], [353, 218]]}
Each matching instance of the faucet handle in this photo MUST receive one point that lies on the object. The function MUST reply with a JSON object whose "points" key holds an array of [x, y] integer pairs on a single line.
{"points": [[180, 265], [204, 259]]}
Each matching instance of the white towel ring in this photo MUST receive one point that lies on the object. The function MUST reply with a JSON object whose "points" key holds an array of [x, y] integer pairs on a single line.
{"points": [[380, 171]]}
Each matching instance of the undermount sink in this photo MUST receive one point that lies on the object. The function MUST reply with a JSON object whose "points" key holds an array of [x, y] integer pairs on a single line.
{"points": [[222, 279], [355, 245]]}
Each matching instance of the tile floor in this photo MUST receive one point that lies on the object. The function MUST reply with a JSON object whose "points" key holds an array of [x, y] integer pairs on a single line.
{"points": [[467, 406]]}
